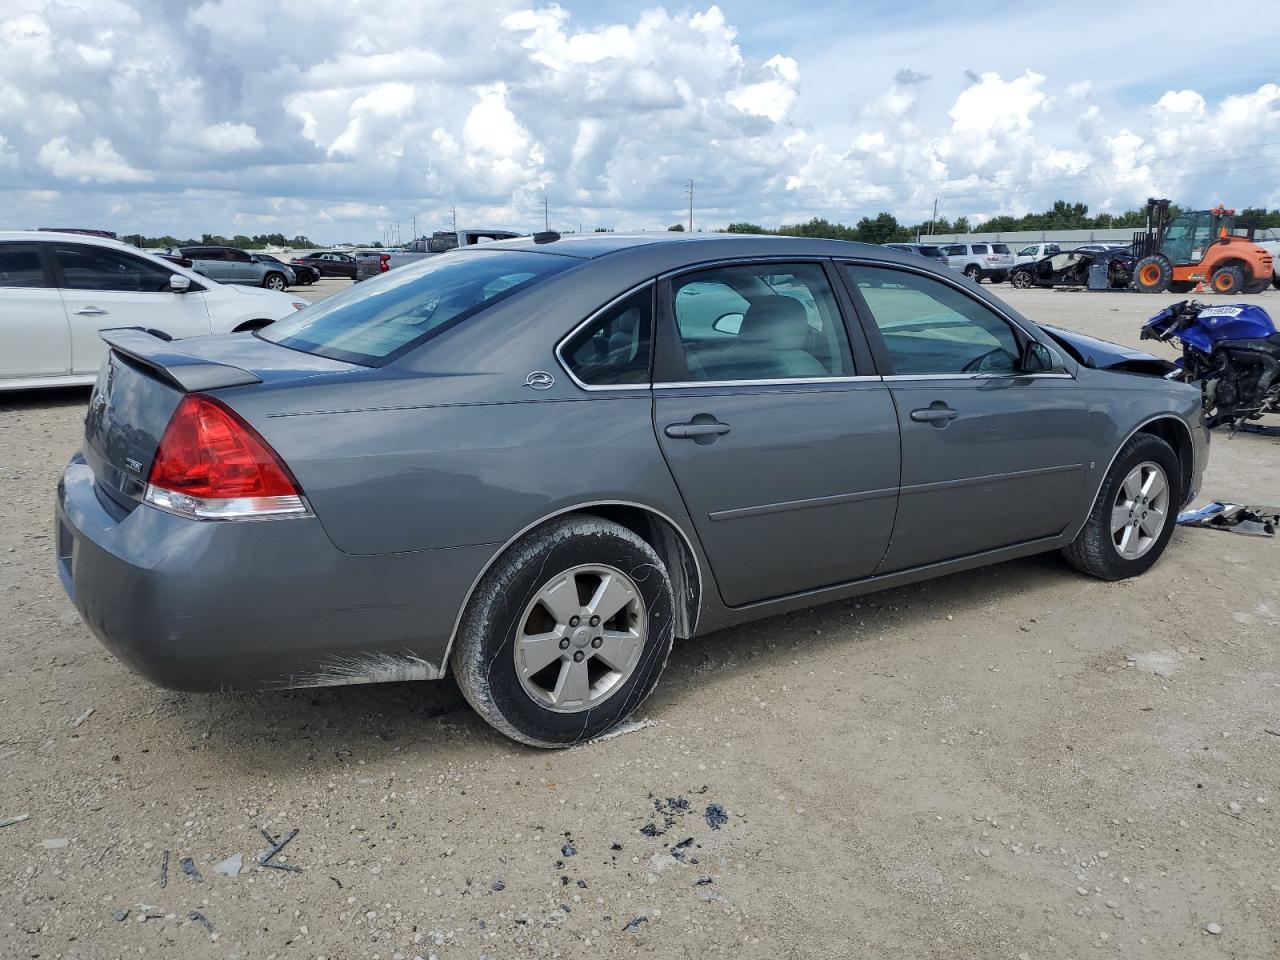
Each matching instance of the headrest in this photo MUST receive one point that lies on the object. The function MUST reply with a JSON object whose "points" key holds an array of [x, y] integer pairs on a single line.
{"points": [[777, 322]]}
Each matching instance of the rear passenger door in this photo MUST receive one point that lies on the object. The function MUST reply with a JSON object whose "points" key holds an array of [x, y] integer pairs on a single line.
{"points": [[784, 449], [35, 340], [992, 455]]}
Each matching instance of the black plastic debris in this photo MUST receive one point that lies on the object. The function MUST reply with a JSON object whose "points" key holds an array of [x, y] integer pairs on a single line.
{"points": [[499, 886], [716, 816], [651, 830], [121, 915], [1233, 518], [267, 859], [677, 803], [201, 919], [189, 868], [164, 869], [615, 845], [582, 884], [702, 881], [569, 850], [634, 924]]}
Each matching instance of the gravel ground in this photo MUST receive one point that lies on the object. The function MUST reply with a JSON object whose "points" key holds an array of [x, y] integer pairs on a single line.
{"points": [[1013, 762]]}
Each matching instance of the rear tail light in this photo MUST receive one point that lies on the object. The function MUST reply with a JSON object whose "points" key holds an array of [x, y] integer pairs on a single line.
{"points": [[211, 465], [993, 259], [384, 262]]}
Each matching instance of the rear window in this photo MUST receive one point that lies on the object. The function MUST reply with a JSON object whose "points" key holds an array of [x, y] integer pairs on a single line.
{"points": [[374, 322], [999, 248]]}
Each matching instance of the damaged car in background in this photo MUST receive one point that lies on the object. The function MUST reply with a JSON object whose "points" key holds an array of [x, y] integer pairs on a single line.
{"points": [[1071, 269], [539, 462]]}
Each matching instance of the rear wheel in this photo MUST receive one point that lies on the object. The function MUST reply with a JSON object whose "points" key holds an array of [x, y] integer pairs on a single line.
{"points": [[973, 273], [1227, 280], [274, 281], [1182, 286], [1021, 279], [1258, 285], [1134, 515], [567, 634], [1153, 274]]}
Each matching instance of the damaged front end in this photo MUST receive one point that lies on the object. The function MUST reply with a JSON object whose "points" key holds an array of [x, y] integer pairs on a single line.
{"points": [[1104, 355]]}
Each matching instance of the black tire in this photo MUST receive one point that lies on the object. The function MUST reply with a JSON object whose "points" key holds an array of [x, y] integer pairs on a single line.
{"points": [[274, 281], [484, 658], [973, 272], [999, 277], [1257, 286], [1094, 550], [1152, 274], [1181, 286], [1227, 281], [1021, 279]]}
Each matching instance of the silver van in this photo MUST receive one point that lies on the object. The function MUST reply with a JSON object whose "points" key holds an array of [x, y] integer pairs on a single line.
{"points": [[980, 261]]}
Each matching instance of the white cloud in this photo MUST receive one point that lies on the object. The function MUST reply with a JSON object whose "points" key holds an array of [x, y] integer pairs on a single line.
{"points": [[229, 138], [98, 163]]}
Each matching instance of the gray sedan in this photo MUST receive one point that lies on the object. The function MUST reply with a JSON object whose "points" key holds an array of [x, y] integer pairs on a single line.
{"points": [[540, 461]]}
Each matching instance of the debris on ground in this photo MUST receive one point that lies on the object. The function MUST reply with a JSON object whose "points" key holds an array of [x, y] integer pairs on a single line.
{"points": [[189, 868], [1234, 518], [82, 718], [10, 821], [56, 843], [702, 881], [201, 919], [634, 924], [499, 886], [569, 850], [231, 866], [121, 915], [630, 726], [164, 869], [1213, 928], [716, 816], [267, 859], [651, 830]]}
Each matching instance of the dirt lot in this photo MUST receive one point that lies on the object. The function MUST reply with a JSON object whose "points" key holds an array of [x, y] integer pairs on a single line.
{"points": [[1014, 762]]}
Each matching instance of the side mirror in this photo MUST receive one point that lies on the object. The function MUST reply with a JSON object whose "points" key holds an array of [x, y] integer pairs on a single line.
{"points": [[1036, 358], [178, 283]]}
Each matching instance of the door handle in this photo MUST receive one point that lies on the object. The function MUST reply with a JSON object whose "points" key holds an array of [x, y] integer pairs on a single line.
{"points": [[937, 413], [702, 429], [91, 312]]}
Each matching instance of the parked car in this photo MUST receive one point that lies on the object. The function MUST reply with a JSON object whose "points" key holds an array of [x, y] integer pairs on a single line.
{"points": [[980, 261], [231, 265], [484, 462], [59, 291], [928, 251], [329, 263], [442, 241], [1034, 252], [1071, 269], [173, 258], [301, 273]]}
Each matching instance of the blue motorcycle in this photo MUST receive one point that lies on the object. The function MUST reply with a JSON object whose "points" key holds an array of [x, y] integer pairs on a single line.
{"points": [[1232, 351]]}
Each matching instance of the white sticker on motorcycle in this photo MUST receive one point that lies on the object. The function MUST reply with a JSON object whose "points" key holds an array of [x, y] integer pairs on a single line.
{"points": [[1221, 312]]}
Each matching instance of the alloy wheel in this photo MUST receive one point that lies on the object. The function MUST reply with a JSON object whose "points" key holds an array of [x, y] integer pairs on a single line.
{"points": [[1140, 511], [580, 638]]}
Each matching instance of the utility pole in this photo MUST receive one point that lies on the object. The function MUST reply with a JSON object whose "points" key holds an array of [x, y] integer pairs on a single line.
{"points": [[691, 205], [414, 229], [455, 219], [934, 218], [546, 213]]}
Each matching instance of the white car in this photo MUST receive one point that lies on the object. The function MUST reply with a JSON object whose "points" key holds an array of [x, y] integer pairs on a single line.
{"points": [[1035, 252], [59, 290]]}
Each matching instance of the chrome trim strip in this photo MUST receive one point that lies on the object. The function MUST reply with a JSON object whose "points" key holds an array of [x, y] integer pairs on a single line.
{"points": [[587, 322], [978, 376], [466, 601], [783, 506], [990, 478], [747, 258], [1167, 415], [761, 383]]}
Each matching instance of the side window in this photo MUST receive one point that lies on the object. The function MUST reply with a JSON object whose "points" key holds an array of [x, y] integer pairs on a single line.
{"points": [[767, 321], [929, 327], [615, 348], [1051, 249], [979, 248], [20, 266], [101, 268], [1027, 251], [239, 256]]}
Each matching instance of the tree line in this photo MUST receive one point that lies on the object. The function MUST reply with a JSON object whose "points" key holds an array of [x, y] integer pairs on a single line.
{"points": [[885, 228], [256, 242]]}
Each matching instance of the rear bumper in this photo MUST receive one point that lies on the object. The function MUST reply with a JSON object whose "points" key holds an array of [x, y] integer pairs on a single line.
{"points": [[244, 605]]}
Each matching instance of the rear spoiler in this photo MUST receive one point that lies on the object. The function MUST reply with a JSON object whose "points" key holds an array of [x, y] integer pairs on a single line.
{"points": [[162, 358]]}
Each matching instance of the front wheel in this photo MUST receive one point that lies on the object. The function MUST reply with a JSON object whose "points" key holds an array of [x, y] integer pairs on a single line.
{"points": [[1021, 279], [274, 281], [1134, 515], [1153, 274], [568, 632]]}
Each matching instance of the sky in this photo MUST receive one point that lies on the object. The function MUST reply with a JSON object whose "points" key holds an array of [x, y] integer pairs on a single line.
{"points": [[337, 119]]}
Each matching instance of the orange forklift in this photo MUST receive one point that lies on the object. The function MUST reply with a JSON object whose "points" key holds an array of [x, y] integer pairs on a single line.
{"points": [[1197, 246]]}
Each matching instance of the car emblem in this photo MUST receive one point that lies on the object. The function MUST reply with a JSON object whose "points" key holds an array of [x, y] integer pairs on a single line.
{"points": [[540, 380]]}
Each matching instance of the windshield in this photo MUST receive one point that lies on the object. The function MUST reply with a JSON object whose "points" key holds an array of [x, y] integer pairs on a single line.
{"points": [[378, 320]]}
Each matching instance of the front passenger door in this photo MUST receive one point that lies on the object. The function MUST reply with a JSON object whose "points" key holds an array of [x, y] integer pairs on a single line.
{"points": [[786, 457], [992, 455]]}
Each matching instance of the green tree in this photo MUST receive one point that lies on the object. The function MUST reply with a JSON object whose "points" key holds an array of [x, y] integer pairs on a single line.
{"points": [[745, 227], [676, 228]]}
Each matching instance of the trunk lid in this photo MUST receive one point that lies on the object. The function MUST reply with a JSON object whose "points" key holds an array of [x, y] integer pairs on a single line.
{"points": [[144, 377]]}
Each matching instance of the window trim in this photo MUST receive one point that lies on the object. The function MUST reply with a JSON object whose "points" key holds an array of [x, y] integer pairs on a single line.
{"points": [[884, 362], [595, 315], [667, 338]]}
